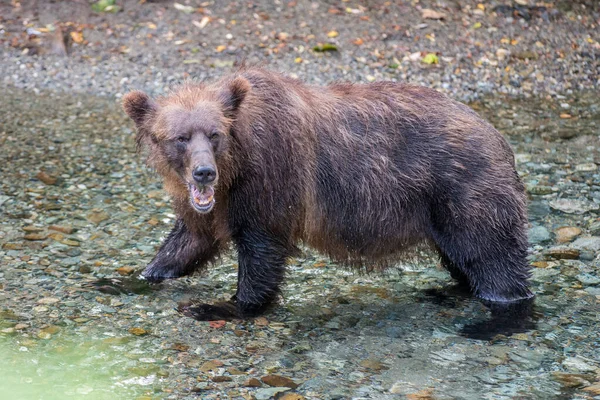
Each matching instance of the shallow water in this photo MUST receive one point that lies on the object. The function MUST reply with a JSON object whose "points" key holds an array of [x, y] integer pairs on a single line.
{"points": [[73, 326]]}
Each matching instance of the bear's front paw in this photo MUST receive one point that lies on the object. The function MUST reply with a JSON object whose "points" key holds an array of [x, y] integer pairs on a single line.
{"points": [[209, 312], [155, 273]]}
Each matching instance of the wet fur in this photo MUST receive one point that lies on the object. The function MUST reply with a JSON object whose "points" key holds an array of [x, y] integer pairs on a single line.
{"points": [[361, 173]]}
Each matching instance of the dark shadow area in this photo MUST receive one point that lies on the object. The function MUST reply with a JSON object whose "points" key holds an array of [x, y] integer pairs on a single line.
{"points": [[129, 285]]}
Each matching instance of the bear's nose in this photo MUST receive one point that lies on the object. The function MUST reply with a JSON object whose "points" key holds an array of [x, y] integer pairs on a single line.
{"points": [[204, 175]]}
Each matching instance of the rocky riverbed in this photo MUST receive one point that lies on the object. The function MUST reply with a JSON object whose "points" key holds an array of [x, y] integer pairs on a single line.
{"points": [[80, 215]]}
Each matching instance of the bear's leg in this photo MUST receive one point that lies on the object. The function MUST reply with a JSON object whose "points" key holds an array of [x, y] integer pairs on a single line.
{"points": [[492, 258], [260, 273], [455, 272], [181, 254]]}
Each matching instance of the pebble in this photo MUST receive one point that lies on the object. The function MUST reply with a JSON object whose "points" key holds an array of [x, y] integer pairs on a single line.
{"points": [[266, 394], [591, 243], [279, 381], [567, 234], [577, 364], [538, 234], [252, 382], [562, 253], [571, 206]]}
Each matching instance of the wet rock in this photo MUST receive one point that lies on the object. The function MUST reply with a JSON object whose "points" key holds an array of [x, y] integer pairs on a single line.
{"points": [[572, 206], [63, 229], [562, 253], [538, 210], [126, 270], [588, 279], [373, 365], [211, 365], [266, 394], [570, 380], [587, 167], [48, 300], [594, 389], [578, 364], [595, 228], [292, 396], [97, 216], [46, 178], [252, 382], [138, 331], [591, 243], [538, 234], [567, 234], [35, 236], [279, 381], [221, 378]]}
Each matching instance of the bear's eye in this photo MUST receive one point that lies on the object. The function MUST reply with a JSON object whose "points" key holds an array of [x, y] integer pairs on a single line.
{"points": [[183, 139], [213, 135]]}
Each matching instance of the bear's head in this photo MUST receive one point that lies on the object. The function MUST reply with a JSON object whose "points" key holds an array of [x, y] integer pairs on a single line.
{"points": [[188, 135]]}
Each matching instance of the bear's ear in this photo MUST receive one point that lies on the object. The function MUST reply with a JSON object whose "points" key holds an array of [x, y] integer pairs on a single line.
{"points": [[138, 106], [233, 94]]}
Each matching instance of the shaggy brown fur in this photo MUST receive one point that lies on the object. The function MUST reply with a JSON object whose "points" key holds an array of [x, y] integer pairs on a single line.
{"points": [[358, 172]]}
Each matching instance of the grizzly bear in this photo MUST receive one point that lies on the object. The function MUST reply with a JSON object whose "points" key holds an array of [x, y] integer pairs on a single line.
{"points": [[360, 173]]}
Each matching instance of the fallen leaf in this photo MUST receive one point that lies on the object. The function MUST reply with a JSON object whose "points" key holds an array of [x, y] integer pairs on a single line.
{"points": [[358, 41], [220, 48], [203, 22], [428, 13], [565, 116], [332, 34], [321, 48], [477, 25], [183, 8], [430, 58]]}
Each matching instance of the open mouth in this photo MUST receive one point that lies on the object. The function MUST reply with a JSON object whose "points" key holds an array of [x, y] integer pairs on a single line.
{"points": [[202, 199]]}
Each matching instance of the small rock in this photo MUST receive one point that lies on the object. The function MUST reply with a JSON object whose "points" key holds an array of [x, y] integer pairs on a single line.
{"points": [[576, 363], [252, 382], [48, 300], [590, 243], [594, 389], [562, 253], [35, 236], [63, 229], [138, 331], [221, 378], [587, 167], [538, 234], [279, 381], [70, 242], [570, 380], [211, 365], [571, 206], [47, 179], [292, 396], [373, 365], [266, 394], [97, 217], [567, 234], [127, 270], [261, 321], [20, 326]]}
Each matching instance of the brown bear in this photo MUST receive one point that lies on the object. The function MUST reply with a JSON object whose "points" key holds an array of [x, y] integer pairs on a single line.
{"points": [[357, 172]]}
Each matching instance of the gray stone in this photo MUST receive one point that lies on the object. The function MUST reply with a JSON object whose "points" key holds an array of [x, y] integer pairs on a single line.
{"points": [[538, 234], [590, 243], [266, 394]]}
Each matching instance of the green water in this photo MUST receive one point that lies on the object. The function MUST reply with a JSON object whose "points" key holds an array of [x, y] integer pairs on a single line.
{"points": [[69, 366]]}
